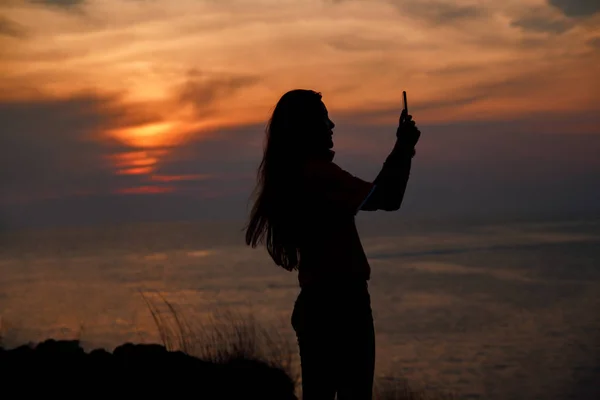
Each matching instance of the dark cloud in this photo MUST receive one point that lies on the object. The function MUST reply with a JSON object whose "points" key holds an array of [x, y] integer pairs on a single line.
{"points": [[121, 210], [59, 3], [435, 11], [201, 90], [543, 19], [493, 168], [594, 42], [440, 12], [355, 42], [231, 151], [52, 148], [228, 159], [576, 8], [11, 28], [537, 23]]}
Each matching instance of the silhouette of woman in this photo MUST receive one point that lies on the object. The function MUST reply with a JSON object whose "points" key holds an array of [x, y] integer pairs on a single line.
{"points": [[304, 213]]}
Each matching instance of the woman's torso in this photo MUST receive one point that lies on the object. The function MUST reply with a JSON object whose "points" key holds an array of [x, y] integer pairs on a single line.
{"points": [[329, 243]]}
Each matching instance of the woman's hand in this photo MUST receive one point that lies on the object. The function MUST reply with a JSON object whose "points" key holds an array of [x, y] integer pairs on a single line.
{"points": [[407, 133]]}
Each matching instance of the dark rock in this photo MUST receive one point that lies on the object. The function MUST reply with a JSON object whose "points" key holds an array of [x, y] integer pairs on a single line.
{"points": [[63, 368]]}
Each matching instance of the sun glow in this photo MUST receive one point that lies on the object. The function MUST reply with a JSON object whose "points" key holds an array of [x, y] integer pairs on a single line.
{"points": [[150, 135]]}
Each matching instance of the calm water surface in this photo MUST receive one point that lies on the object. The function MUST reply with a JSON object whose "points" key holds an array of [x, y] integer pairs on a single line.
{"points": [[487, 311]]}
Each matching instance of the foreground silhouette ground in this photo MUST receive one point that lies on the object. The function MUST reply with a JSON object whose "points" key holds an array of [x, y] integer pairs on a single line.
{"points": [[63, 368]]}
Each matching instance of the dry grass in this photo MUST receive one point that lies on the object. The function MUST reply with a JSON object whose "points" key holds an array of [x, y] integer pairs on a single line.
{"points": [[223, 337]]}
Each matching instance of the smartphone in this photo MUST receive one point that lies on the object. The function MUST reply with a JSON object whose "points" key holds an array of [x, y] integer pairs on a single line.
{"points": [[404, 102]]}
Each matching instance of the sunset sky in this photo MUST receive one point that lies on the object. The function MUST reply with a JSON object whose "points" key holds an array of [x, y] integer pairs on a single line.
{"points": [[126, 110]]}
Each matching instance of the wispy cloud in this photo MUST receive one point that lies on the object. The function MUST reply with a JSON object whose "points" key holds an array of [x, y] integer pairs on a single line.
{"points": [[577, 8], [202, 91], [11, 28], [594, 42], [441, 11], [537, 20], [58, 3]]}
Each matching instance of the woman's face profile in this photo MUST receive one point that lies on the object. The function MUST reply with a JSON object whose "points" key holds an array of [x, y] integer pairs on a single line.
{"points": [[327, 126]]}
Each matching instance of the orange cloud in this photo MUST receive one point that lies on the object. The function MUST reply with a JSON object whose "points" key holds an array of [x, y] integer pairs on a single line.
{"points": [[360, 54], [135, 171], [179, 178], [145, 190], [133, 158]]}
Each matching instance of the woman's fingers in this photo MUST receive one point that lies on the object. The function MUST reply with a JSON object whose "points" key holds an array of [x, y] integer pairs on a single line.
{"points": [[403, 116], [409, 126], [408, 120]]}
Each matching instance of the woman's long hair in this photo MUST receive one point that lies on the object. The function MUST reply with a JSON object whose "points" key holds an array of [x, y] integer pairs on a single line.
{"points": [[288, 139]]}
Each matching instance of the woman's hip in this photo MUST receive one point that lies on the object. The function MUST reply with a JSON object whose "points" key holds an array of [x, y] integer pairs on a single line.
{"points": [[332, 309]]}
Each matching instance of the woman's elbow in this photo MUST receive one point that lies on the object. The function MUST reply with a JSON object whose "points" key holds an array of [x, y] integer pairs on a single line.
{"points": [[381, 200], [392, 206]]}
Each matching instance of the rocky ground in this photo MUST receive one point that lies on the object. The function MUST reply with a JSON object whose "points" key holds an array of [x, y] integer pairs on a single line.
{"points": [[63, 368]]}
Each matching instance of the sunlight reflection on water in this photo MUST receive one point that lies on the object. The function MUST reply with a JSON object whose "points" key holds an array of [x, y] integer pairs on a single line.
{"points": [[498, 312]]}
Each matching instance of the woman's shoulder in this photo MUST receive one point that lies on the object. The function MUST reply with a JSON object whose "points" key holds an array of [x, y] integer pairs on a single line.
{"points": [[320, 169]]}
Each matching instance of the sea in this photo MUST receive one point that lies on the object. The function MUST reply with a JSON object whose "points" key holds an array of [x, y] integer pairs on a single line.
{"points": [[484, 310]]}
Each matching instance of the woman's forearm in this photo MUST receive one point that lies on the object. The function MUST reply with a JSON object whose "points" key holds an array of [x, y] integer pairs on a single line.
{"points": [[390, 183]]}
